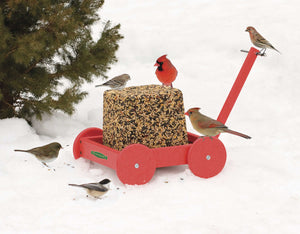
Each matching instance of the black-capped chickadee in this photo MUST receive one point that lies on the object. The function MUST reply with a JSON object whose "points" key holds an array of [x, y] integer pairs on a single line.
{"points": [[96, 190]]}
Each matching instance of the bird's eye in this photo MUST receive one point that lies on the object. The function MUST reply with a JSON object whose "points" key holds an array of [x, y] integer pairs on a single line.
{"points": [[190, 113]]}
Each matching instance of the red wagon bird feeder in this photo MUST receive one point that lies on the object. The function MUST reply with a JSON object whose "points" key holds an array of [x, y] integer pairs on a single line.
{"points": [[136, 163]]}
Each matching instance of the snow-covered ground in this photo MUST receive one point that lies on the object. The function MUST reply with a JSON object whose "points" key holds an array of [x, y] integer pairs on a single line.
{"points": [[259, 189]]}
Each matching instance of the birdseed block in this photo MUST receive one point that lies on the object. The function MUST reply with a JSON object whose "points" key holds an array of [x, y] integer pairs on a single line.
{"points": [[152, 115]]}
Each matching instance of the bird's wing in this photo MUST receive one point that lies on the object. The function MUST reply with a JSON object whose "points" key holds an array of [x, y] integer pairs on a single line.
{"points": [[263, 41], [36, 151], [210, 123], [114, 81], [41, 151], [94, 186]]}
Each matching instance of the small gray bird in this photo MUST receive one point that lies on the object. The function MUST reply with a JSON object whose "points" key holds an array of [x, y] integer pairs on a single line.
{"points": [[46, 153], [96, 190], [118, 82]]}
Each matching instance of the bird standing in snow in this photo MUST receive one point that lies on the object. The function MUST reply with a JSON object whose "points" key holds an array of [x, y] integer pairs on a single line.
{"points": [[208, 126], [118, 82], [46, 153], [165, 72], [259, 41], [96, 190]]}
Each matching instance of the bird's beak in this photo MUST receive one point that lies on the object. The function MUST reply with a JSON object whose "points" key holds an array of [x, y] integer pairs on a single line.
{"points": [[156, 65], [246, 30], [186, 113]]}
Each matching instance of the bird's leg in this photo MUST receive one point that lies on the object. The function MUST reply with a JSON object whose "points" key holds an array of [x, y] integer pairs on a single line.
{"points": [[49, 168], [262, 52]]}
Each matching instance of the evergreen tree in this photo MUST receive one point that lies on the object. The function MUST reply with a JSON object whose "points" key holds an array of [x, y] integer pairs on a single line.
{"points": [[46, 44]]}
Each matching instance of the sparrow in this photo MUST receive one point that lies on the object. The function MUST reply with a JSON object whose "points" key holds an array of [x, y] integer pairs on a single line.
{"points": [[46, 153], [165, 72], [118, 82], [96, 190], [259, 41], [208, 126]]}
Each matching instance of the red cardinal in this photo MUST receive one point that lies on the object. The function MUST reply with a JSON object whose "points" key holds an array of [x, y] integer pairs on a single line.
{"points": [[208, 126], [165, 72]]}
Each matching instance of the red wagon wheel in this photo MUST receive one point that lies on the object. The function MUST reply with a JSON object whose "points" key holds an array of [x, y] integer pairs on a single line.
{"points": [[85, 133], [135, 164], [207, 157]]}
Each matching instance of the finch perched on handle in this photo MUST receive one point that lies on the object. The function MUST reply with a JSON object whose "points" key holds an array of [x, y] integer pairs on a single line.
{"points": [[46, 153], [118, 82], [208, 126], [96, 190], [259, 41], [165, 72]]}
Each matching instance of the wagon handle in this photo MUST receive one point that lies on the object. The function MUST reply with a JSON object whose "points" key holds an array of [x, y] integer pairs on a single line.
{"points": [[238, 85]]}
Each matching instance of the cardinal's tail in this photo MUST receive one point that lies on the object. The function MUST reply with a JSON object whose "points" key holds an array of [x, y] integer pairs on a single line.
{"points": [[237, 133]]}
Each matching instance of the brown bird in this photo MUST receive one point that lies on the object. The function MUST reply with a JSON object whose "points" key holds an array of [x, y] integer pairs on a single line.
{"points": [[46, 153], [118, 82], [259, 41], [96, 190], [208, 126]]}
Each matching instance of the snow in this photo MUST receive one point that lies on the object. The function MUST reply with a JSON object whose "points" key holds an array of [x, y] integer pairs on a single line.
{"points": [[258, 191]]}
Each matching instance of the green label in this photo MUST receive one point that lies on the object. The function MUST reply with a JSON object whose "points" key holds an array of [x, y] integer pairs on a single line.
{"points": [[99, 155]]}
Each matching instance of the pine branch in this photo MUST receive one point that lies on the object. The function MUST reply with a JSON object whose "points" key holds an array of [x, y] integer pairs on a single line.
{"points": [[32, 66], [11, 51], [10, 105], [35, 35]]}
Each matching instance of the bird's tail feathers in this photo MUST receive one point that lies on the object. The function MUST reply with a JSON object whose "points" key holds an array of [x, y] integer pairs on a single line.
{"points": [[276, 49], [75, 185], [237, 133]]}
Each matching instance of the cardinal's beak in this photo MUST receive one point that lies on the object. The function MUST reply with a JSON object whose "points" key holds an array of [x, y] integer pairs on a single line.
{"points": [[156, 64], [186, 113]]}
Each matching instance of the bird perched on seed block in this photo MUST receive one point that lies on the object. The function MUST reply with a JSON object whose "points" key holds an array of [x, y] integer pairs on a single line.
{"points": [[118, 82]]}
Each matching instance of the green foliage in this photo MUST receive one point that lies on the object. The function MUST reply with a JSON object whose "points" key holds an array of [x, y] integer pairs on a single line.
{"points": [[46, 45]]}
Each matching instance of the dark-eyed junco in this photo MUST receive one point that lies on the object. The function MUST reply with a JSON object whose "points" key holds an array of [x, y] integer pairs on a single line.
{"points": [[46, 153], [96, 190], [118, 82]]}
